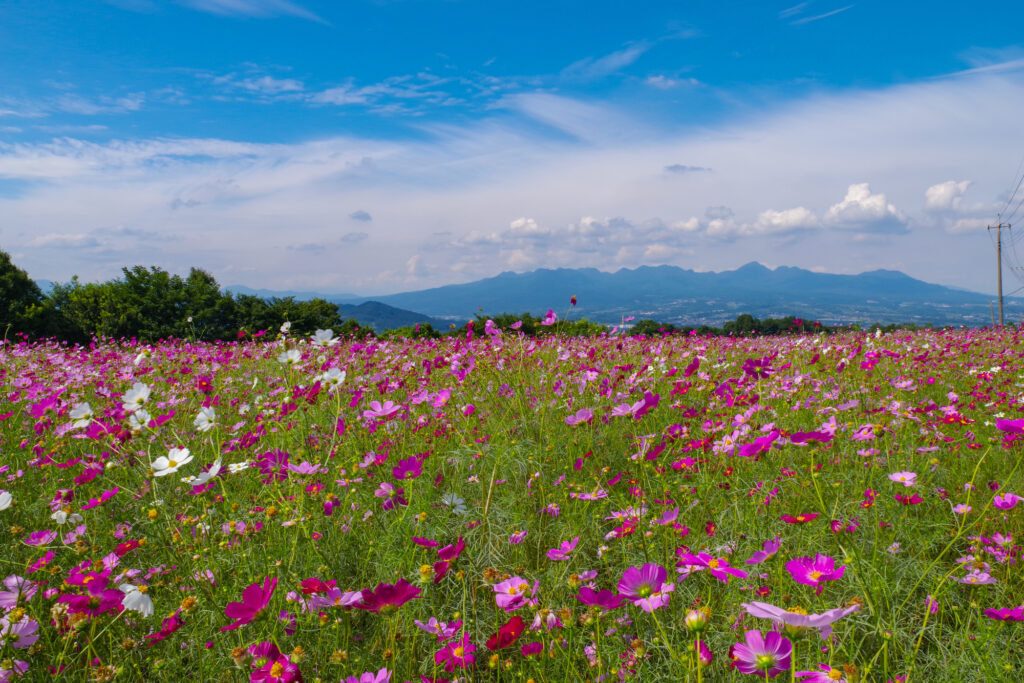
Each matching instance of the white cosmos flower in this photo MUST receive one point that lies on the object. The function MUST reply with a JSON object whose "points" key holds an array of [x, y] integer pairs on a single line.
{"points": [[332, 379], [139, 420], [205, 420], [290, 357], [177, 457], [236, 467], [143, 355], [135, 397], [285, 327], [204, 476], [136, 599], [62, 517], [324, 338], [5, 500], [82, 415]]}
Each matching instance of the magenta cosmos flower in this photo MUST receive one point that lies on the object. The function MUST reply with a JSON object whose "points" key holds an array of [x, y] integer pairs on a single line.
{"points": [[562, 552], [770, 548], [765, 656], [387, 598], [604, 599], [254, 598], [645, 586], [1006, 502], [813, 572], [1006, 614], [717, 566], [825, 674], [823, 622], [458, 654]]}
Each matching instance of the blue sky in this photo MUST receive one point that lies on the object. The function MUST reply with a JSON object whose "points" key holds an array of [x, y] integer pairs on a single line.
{"points": [[380, 146]]}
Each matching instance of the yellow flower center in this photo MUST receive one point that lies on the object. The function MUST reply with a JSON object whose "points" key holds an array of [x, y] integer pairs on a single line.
{"points": [[277, 670], [815, 575], [458, 651], [835, 675], [172, 463], [713, 564]]}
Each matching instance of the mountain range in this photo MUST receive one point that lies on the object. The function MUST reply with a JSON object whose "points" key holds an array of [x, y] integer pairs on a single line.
{"points": [[680, 296]]}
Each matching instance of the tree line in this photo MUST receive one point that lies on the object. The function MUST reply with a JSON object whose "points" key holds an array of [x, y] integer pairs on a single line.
{"points": [[150, 304]]}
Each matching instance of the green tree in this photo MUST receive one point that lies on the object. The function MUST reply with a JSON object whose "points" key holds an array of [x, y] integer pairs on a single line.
{"points": [[21, 300]]}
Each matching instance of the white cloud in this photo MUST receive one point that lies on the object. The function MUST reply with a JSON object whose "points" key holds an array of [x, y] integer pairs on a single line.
{"points": [[252, 8], [668, 83], [607, 65], [863, 211], [65, 241], [946, 196]]}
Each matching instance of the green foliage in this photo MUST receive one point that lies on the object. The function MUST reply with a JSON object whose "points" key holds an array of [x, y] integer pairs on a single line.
{"points": [[20, 297]]}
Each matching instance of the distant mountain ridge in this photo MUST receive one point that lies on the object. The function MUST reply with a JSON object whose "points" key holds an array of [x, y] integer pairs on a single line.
{"points": [[681, 296]]}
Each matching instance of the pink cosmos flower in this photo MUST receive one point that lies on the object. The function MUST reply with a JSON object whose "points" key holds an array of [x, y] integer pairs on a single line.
{"points": [[387, 409], [549, 319], [645, 586], [391, 494], [812, 572], [41, 537], [1006, 502], [581, 416], [20, 634], [457, 654], [452, 552], [279, 670], [254, 598], [517, 538], [440, 629], [763, 655], [17, 588], [511, 594], [823, 622], [770, 548], [718, 567], [562, 552], [382, 676], [906, 478]]}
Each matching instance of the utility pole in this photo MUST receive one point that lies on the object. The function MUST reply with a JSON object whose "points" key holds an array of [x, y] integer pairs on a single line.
{"points": [[999, 263]]}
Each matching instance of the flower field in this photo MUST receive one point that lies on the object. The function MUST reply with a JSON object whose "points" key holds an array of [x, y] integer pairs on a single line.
{"points": [[494, 507]]}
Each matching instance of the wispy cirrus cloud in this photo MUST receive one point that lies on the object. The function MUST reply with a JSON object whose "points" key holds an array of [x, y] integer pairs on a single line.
{"points": [[252, 8]]}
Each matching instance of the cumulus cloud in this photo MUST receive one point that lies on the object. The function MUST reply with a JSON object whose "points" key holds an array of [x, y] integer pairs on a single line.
{"points": [[946, 196], [863, 211], [361, 216]]}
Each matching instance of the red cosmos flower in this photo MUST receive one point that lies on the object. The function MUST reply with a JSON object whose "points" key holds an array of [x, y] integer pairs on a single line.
{"points": [[507, 635], [254, 598], [387, 598], [801, 518]]}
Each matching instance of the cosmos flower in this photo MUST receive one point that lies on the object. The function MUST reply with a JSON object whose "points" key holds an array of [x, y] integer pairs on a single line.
{"points": [[254, 598], [382, 676], [136, 397], [386, 598], [801, 518], [645, 586], [825, 674], [769, 549], [136, 599], [6, 499], [604, 599], [507, 634], [205, 420], [19, 634], [1004, 502], [906, 478], [799, 620], [456, 655], [765, 656], [562, 552], [172, 462], [1006, 614], [718, 567], [812, 572], [511, 593]]}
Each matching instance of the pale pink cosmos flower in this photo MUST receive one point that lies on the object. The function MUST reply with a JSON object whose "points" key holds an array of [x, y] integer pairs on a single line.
{"points": [[511, 593], [906, 478], [823, 622], [562, 552]]}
